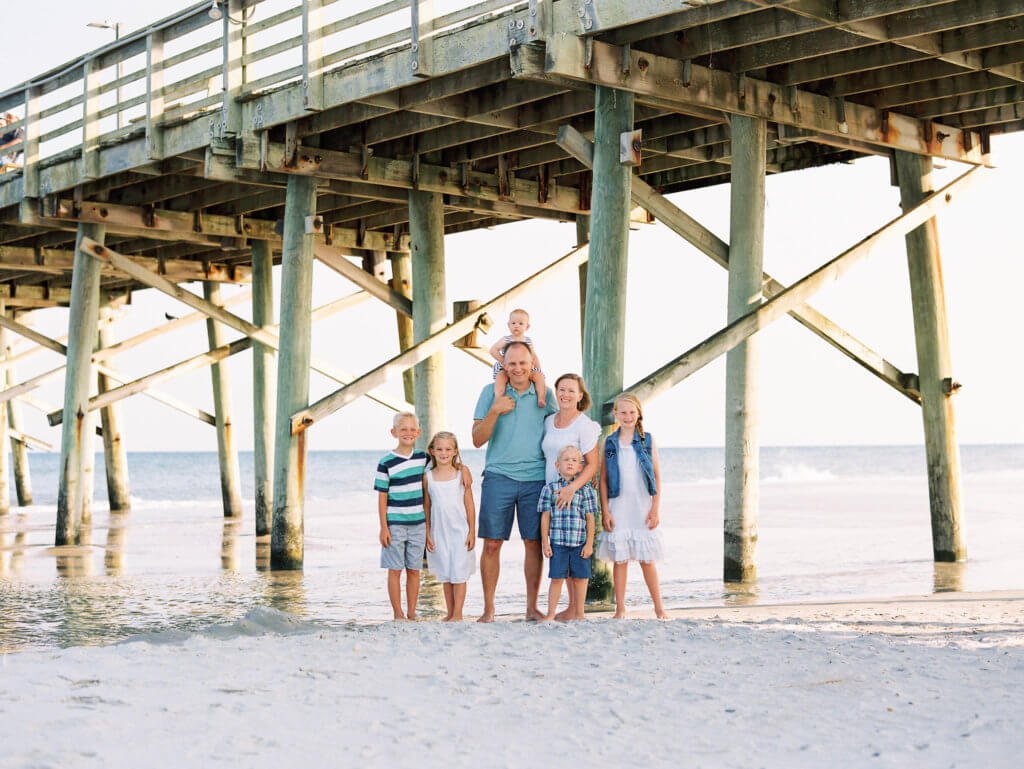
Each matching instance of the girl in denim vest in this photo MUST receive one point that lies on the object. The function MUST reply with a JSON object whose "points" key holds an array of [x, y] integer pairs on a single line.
{"points": [[630, 480]]}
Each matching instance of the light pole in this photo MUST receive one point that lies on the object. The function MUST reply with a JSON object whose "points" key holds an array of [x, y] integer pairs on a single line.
{"points": [[116, 26]]}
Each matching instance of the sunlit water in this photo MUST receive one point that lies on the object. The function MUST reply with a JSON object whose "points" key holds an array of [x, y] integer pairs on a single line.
{"points": [[835, 523]]}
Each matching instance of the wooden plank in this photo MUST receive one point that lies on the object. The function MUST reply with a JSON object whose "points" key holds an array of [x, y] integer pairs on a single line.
{"points": [[327, 405], [155, 94], [312, 55], [736, 332], [333, 259], [90, 119], [662, 78], [421, 47]]}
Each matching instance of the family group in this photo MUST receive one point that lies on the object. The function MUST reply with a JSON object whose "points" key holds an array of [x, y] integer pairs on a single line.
{"points": [[542, 465]]}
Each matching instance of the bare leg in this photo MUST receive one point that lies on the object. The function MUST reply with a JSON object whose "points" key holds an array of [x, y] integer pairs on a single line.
{"points": [[458, 600], [578, 590], [540, 385], [449, 600], [500, 383], [651, 578], [554, 593], [568, 612], [412, 590], [619, 582], [533, 565], [490, 567], [395, 592]]}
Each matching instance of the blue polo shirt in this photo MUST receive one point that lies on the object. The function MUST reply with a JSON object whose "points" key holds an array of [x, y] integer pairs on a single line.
{"points": [[514, 448]]}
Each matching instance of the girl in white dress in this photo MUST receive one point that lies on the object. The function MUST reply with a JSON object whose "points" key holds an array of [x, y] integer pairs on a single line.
{"points": [[630, 482], [448, 503]]}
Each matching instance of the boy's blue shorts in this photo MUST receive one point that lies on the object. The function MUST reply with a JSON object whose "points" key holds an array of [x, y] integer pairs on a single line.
{"points": [[566, 561]]}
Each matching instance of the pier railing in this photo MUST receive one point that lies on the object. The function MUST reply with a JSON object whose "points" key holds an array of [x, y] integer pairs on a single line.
{"points": [[191, 64]]}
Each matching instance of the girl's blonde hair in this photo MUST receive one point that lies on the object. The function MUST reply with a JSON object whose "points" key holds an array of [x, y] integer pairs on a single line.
{"points": [[584, 402], [632, 399], [447, 436]]}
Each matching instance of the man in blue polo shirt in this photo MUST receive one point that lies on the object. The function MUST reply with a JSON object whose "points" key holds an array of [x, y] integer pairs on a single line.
{"points": [[512, 426]]}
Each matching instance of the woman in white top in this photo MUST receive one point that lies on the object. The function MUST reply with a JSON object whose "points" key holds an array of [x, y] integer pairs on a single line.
{"points": [[570, 426]]}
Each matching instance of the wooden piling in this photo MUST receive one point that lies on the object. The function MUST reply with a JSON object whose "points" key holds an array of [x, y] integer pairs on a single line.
{"points": [[89, 455], [19, 451], [429, 306], [935, 368], [5, 495], [227, 454], [263, 386], [286, 545], [401, 281], [583, 236], [604, 330], [83, 320], [115, 458], [746, 256]]}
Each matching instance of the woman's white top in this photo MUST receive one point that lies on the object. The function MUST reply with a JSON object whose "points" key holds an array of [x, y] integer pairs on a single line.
{"points": [[450, 561], [583, 433]]}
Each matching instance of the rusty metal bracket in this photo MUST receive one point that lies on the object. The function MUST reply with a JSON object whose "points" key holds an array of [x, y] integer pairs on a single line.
{"points": [[631, 147], [950, 386], [687, 76], [543, 181], [197, 221], [329, 234], [539, 22], [149, 215], [586, 11]]}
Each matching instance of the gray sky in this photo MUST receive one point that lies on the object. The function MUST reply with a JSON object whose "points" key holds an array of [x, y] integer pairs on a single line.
{"points": [[811, 395]]}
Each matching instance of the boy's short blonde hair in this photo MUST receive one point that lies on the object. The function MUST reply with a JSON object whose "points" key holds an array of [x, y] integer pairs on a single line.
{"points": [[570, 448], [404, 415]]}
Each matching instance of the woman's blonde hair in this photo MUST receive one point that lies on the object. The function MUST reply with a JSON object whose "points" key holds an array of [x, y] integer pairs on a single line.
{"points": [[444, 435], [584, 402], [632, 399]]}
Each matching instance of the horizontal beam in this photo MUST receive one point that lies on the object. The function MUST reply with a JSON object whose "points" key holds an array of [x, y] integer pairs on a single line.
{"points": [[662, 79], [427, 347], [694, 359], [348, 166], [27, 440]]}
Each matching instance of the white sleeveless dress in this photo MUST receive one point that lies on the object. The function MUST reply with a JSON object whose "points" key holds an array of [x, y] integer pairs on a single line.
{"points": [[450, 561], [630, 540]]}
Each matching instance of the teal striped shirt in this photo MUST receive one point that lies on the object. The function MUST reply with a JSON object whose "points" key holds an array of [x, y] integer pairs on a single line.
{"points": [[401, 478]]}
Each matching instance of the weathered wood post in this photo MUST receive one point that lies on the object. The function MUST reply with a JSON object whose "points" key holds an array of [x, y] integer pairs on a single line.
{"points": [[286, 544], [429, 306], [604, 330], [746, 256], [931, 334], [263, 386], [115, 457], [401, 281], [227, 454], [89, 456], [19, 451], [583, 236], [5, 494], [82, 328]]}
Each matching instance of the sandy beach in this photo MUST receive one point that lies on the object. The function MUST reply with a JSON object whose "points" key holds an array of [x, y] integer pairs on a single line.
{"points": [[916, 681]]}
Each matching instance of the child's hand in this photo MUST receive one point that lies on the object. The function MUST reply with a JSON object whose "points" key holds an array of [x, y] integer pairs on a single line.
{"points": [[564, 497], [430, 543], [547, 549], [385, 537], [587, 551], [652, 519], [470, 541], [607, 522]]}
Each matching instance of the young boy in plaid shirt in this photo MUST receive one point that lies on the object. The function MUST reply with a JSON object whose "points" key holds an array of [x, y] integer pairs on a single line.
{"points": [[568, 534]]}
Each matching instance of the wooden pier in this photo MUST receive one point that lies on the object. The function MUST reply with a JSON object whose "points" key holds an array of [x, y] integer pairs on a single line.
{"points": [[246, 133]]}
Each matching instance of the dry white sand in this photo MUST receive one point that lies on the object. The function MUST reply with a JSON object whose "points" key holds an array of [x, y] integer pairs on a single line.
{"points": [[930, 681]]}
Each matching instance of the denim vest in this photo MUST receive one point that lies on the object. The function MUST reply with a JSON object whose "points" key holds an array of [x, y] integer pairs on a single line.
{"points": [[643, 453]]}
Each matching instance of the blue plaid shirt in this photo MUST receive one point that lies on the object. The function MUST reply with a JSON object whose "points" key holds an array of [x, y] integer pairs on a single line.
{"points": [[568, 526]]}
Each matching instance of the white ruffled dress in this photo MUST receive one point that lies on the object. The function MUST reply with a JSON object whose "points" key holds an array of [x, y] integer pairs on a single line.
{"points": [[450, 561], [630, 540]]}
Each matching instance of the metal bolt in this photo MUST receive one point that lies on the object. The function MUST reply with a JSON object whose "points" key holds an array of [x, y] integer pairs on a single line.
{"points": [[580, 12], [588, 23], [415, 47], [512, 24], [520, 24], [414, 65]]}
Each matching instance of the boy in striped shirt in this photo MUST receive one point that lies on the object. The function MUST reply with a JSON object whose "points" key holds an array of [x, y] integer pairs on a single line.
{"points": [[404, 525]]}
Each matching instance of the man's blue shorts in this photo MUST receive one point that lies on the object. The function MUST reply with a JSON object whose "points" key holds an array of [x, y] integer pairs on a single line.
{"points": [[568, 562], [502, 499]]}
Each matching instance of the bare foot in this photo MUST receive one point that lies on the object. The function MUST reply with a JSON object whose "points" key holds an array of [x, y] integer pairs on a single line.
{"points": [[662, 614], [455, 618], [401, 618], [562, 618], [619, 614], [534, 615], [486, 618], [447, 619], [564, 614], [412, 616]]}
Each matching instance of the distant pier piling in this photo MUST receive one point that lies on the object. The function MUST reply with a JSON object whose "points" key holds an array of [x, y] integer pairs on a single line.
{"points": [[227, 452], [115, 456], [19, 451], [429, 306], [263, 387]]}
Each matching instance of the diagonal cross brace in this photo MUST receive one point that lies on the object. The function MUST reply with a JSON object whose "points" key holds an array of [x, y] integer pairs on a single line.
{"points": [[577, 145], [694, 359]]}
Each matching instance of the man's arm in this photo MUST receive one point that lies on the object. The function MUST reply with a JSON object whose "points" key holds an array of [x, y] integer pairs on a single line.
{"points": [[483, 428]]}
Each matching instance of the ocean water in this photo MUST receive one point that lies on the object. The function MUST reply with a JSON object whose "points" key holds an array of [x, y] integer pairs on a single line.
{"points": [[835, 522]]}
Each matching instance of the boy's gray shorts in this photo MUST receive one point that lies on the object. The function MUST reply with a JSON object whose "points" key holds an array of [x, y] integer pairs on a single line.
{"points": [[406, 548]]}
